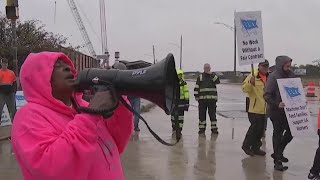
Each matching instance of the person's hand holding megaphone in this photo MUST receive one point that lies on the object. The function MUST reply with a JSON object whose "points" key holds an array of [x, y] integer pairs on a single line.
{"points": [[103, 100]]}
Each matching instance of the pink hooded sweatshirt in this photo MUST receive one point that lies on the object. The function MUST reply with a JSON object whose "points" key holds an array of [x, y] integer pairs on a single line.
{"points": [[54, 142]]}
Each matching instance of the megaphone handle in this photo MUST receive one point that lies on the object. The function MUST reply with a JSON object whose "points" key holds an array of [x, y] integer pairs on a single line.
{"points": [[145, 122]]}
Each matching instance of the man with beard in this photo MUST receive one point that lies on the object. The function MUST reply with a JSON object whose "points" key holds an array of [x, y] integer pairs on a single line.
{"points": [[281, 131]]}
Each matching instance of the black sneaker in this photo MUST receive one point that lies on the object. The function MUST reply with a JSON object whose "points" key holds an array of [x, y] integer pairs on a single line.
{"points": [[313, 176], [137, 129], [259, 152], [282, 158], [279, 167], [247, 151]]}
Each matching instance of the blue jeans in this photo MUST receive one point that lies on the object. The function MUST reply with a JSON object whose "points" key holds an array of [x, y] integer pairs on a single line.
{"points": [[135, 103]]}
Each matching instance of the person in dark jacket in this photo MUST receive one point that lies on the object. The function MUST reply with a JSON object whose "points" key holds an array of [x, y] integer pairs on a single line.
{"points": [[281, 131], [206, 94], [314, 173], [134, 101], [8, 89]]}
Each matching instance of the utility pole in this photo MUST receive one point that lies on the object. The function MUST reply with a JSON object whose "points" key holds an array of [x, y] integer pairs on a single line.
{"points": [[235, 49], [154, 55], [181, 53], [12, 13], [234, 29]]}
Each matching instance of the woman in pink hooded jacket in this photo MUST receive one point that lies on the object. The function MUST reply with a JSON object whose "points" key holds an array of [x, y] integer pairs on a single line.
{"points": [[51, 140]]}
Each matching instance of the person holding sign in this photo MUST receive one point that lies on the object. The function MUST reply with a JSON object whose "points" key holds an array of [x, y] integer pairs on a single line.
{"points": [[254, 85], [8, 89], [281, 131]]}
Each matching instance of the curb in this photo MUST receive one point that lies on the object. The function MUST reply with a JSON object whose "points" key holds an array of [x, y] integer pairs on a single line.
{"points": [[3, 138], [192, 80], [5, 133]]}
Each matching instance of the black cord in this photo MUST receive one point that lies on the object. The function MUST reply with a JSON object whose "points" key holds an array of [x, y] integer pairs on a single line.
{"points": [[145, 122], [107, 113]]}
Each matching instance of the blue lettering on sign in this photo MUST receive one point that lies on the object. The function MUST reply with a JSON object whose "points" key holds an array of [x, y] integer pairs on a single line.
{"points": [[292, 91], [20, 98]]}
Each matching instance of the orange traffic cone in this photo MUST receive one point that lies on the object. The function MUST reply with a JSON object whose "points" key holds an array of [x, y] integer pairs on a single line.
{"points": [[311, 91]]}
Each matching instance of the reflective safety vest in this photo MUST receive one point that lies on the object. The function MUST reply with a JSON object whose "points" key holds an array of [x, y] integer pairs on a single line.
{"points": [[206, 87], [184, 94]]}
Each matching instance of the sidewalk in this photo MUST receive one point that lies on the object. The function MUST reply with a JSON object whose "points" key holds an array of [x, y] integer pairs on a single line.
{"points": [[5, 132]]}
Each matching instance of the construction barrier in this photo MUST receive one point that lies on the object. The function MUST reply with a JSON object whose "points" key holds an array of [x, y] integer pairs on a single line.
{"points": [[311, 91]]}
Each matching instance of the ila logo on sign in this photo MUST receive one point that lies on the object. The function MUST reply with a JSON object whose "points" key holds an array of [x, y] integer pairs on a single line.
{"points": [[293, 95], [249, 26]]}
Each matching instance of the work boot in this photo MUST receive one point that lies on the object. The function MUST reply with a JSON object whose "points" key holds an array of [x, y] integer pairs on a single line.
{"points": [[282, 158], [259, 152], [279, 167], [313, 176], [214, 131], [247, 150], [201, 131]]}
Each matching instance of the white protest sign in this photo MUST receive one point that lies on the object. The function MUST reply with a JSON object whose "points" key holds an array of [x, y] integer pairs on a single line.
{"points": [[20, 101], [5, 117], [296, 108], [249, 37]]}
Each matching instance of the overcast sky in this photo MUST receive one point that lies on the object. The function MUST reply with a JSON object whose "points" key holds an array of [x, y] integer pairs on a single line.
{"points": [[290, 27]]}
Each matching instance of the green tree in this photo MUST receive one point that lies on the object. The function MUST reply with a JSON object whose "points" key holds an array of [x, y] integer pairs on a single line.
{"points": [[31, 37]]}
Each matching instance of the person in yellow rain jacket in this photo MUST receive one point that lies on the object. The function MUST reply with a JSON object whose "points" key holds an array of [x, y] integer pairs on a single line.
{"points": [[254, 85], [183, 103]]}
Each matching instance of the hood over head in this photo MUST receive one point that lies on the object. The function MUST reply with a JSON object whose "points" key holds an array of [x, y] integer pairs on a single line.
{"points": [[281, 61], [120, 66], [179, 71], [35, 77]]}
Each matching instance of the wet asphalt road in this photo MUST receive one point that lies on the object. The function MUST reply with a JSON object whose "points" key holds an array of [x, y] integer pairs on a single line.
{"points": [[200, 158]]}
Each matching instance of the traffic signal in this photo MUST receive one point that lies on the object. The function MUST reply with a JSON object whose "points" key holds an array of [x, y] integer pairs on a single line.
{"points": [[12, 9]]}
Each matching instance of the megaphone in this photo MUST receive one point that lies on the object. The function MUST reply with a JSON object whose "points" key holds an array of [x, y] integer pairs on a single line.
{"points": [[157, 83]]}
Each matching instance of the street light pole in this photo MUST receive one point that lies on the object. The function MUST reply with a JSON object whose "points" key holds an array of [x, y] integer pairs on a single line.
{"points": [[181, 53], [234, 43], [14, 46], [235, 49], [154, 55], [12, 13]]}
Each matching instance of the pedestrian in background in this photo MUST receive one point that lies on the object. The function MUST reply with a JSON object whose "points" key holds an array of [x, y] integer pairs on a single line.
{"points": [[8, 89], [134, 101], [183, 103], [206, 94]]}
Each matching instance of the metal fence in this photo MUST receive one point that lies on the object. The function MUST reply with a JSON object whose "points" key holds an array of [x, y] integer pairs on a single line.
{"points": [[82, 61]]}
